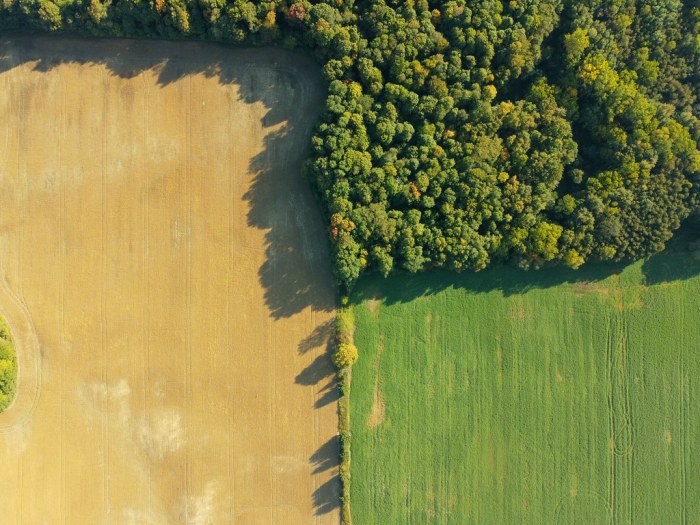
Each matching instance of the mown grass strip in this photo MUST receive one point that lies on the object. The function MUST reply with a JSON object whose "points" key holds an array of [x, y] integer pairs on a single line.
{"points": [[345, 442]]}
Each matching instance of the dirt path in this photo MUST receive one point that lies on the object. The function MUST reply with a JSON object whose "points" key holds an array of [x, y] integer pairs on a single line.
{"points": [[163, 267]]}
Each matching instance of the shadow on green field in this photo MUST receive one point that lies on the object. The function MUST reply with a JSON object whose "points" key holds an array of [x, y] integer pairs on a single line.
{"points": [[506, 280], [680, 260]]}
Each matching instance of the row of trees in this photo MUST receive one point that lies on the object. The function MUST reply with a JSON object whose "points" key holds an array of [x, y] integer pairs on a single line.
{"points": [[457, 133]]}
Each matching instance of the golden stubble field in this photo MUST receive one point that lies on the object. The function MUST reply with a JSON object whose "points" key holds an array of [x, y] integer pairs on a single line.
{"points": [[164, 271]]}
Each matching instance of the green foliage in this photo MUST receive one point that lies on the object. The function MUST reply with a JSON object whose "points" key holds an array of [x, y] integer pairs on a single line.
{"points": [[345, 325], [345, 435], [513, 397], [457, 134], [576, 43], [345, 356], [8, 367]]}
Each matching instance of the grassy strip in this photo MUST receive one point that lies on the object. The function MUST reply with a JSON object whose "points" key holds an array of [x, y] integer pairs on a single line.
{"points": [[345, 437], [344, 358], [8, 367]]}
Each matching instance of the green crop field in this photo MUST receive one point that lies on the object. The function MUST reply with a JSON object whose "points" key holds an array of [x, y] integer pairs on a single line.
{"points": [[511, 397]]}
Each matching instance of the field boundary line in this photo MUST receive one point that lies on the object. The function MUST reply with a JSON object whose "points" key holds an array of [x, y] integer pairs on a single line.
{"points": [[611, 416], [621, 427], [188, 265], [147, 282], [103, 285], [231, 398], [62, 282], [684, 412]]}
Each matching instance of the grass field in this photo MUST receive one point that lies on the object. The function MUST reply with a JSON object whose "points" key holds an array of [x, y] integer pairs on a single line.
{"points": [[548, 398], [165, 276]]}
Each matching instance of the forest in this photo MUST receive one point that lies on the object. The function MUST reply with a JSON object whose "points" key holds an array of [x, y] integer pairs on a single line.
{"points": [[458, 134]]}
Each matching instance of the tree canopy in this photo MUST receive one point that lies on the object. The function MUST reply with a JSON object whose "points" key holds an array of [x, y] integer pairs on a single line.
{"points": [[457, 134]]}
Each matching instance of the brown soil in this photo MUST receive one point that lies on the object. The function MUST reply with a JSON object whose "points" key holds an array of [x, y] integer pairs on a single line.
{"points": [[162, 261], [592, 287], [376, 416], [374, 305]]}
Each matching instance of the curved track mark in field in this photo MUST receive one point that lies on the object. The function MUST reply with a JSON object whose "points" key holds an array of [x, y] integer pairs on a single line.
{"points": [[581, 505], [621, 486], [14, 309], [16, 314]]}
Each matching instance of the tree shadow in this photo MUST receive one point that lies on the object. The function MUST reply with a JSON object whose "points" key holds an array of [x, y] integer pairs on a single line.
{"points": [[327, 456], [296, 273], [680, 260], [170, 61], [330, 393], [321, 336], [327, 496], [319, 369], [402, 288]]}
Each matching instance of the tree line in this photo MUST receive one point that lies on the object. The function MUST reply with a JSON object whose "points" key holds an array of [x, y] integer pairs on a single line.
{"points": [[459, 134]]}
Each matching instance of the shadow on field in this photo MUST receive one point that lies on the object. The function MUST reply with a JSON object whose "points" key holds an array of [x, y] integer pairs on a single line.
{"points": [[680, 260], [506, 280], [322, 335], [319, 369], [322, 367], [330, 393], [326, 457], [327, 496], [296, 273]]}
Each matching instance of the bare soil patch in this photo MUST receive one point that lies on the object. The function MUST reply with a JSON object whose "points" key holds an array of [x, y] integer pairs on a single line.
{"points": [[378, 411], [162, 262]]}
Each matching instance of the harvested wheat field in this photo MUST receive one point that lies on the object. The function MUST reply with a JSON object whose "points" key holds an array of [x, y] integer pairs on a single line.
{"points": [[165, 276]]}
